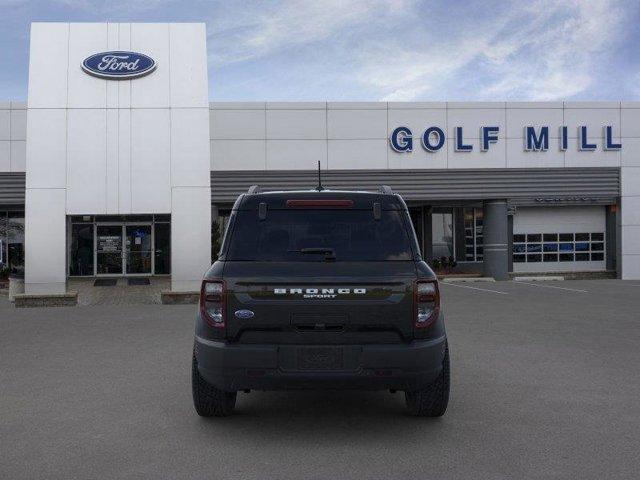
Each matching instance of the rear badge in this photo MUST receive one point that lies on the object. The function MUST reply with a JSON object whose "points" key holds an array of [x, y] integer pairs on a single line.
{"points": [[319, 292], [244, 314]]}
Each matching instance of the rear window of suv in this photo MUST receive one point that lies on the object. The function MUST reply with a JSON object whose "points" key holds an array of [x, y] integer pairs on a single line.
{"points": [[294, 235]]}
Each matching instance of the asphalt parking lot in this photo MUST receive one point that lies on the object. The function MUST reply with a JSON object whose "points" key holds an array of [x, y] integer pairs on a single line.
{"points": [[545, 384]]}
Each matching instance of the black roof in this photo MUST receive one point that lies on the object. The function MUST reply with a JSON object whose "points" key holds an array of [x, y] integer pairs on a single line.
{"points": [[361, 200]]}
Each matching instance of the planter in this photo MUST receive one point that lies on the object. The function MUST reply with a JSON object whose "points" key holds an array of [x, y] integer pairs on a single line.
{"points": [[16, 285]]}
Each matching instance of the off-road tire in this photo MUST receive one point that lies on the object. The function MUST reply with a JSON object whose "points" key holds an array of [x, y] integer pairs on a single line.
{"points": [[207, 399], [431, 401]]}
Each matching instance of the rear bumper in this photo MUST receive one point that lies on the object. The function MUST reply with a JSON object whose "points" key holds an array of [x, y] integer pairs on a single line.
{"points": [[234, 367]]}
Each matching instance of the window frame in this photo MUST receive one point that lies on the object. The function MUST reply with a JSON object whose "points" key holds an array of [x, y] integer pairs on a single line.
{"points": [[522, 250]]}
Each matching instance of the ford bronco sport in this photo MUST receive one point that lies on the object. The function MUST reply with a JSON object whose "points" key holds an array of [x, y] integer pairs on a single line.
{"points": [[320, 289]]}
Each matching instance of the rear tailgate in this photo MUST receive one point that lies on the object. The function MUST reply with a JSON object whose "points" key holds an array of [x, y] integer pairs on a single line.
{"points": [[319, 302]]}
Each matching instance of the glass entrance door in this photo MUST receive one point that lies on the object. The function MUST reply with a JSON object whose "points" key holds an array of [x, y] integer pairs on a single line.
{"points": [[112, 246], [109, 250], [139, 249]]}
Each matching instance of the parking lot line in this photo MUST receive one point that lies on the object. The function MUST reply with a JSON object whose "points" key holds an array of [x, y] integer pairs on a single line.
{"points": [[475, 288], [551, 286]]}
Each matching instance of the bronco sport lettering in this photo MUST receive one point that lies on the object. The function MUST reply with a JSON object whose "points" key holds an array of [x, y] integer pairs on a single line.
{"points": [[319, 293]]}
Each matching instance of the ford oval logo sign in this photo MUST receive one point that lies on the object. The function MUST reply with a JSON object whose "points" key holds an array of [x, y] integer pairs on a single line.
{"points": [[118, 65], [244, 314]]}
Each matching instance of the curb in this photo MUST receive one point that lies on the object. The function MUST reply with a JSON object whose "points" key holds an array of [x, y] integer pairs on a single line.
{"points": [[179, 298], [468, 279], [25, 300], [538, 279]]}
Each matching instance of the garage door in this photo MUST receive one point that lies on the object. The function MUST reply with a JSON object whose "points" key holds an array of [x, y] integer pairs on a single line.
{"points": [[559, 239]]}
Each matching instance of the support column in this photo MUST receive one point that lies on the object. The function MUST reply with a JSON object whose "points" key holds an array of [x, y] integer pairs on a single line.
{"points": [[510, 213], [460, 253], [190, 237], [629, 266], [496, 254], [618, 233], [45, 241], [610, 238]]}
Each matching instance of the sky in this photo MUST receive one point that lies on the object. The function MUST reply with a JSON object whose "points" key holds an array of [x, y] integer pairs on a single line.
{"points": [[377, 50]]}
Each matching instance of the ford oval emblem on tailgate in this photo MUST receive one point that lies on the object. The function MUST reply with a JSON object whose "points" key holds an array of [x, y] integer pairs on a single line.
{"points": [[244, 314]]}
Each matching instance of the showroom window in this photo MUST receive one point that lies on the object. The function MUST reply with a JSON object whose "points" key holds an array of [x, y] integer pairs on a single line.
{"points": [[120, 245], [162, 240], [218, 228], [3, 242], [442, 231], [12, 241], [473, 219], [81, 249], [558, 247]]}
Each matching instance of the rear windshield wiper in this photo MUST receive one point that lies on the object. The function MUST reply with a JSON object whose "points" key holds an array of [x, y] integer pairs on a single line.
{"points": [[329, 253]]}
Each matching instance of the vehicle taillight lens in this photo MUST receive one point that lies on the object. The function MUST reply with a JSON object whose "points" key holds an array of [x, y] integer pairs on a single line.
{"points": [[212, 303], [426, 302]]}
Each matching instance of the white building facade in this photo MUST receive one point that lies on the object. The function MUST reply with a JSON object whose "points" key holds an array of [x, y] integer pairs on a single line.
{"points": [[123, 176]]}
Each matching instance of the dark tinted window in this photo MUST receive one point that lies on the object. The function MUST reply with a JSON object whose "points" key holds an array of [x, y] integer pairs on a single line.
{"points": [[354, 235]]}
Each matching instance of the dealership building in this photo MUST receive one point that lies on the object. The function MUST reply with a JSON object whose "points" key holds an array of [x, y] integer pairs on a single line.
{"points": [[118, 165]]}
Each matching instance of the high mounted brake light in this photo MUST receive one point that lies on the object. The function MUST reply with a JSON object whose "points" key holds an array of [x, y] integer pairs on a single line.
{"points": [[212, 303], [320, 203], [426, 302]]}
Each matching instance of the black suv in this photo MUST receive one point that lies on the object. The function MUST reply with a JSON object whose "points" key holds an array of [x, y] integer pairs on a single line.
{"points": [[320, 289]]}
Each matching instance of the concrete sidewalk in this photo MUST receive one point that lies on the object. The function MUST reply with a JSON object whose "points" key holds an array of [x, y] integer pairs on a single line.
{"points": [[121, 294]]}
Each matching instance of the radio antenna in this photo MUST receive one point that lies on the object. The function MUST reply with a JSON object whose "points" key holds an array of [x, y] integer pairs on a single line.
{"points": [[320, 187]]}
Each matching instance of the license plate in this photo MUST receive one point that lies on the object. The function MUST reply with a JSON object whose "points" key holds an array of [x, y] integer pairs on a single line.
{"points": [[320, 358]]}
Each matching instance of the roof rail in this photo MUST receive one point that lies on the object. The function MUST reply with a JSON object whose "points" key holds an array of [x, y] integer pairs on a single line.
{"points": [[386, 189], [253, 189]]}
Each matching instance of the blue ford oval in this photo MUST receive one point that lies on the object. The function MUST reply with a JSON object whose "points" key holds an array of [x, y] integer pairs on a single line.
{"points": [[244, 314], [118, 65]]}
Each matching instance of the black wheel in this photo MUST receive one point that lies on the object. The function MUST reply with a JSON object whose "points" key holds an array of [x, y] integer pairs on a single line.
{"points": [[431, 401], [207, 399]]}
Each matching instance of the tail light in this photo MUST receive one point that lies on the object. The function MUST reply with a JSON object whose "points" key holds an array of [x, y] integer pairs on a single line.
{"points": [[426, 302], [212, 303]]}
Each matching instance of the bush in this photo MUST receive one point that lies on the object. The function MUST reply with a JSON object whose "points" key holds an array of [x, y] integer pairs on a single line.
{"points": [[444, 263]]}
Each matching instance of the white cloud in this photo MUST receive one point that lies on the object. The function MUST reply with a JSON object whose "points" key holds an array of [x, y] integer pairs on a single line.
{"points": [[405, 50], [569, 50], [400, 49], [100, 7], [546, 51], [247, 33]]}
